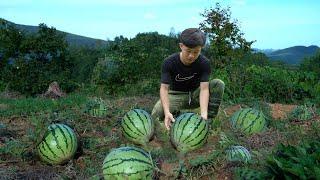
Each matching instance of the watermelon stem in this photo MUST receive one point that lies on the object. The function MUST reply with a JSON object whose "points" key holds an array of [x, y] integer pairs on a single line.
{"points": [[155, 166]]}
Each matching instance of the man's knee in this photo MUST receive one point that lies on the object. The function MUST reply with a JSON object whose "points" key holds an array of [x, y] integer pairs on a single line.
{"points": [[157, 111], [217, 85]]}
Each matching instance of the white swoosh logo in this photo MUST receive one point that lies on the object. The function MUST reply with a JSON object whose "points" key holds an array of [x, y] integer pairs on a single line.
{"points": [[178, 78]]}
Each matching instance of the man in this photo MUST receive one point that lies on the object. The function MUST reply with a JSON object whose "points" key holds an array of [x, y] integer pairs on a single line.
{"points": [[185, 81]]}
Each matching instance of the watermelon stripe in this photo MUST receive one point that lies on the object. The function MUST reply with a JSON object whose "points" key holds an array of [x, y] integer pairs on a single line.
{"points": [[238, 115], [184, 126], [64, 136], [233, 152], [194, 129], [142, 119], [48, 147], [57, 141], [176, 125], [128, 134], [150, 123], [130, 120], [72, 137], [251, 124], [44, 154], [136, 150], [125, 160], [244, 117], [203, 139], [125, 123], [203, 129]]}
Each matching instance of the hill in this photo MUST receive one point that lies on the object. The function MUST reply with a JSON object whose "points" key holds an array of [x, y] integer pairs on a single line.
{"points": [[72, 39], [293, 55]]}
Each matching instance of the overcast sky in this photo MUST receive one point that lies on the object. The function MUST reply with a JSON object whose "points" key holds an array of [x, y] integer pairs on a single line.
{"points": [[273, 24]]}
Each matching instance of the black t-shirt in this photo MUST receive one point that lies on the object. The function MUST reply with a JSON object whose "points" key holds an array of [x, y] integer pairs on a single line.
{"points": [[185, 78]]}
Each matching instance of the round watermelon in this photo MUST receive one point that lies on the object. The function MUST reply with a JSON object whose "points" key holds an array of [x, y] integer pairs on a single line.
{"points": [[238, 153], [249, 121], [301, 113], [138, 126], [58, 145], [189, 132], [128, 163], [96, 107]]}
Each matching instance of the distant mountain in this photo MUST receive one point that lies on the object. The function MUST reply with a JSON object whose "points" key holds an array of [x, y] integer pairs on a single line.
{"points": [[293, 55], [265, 51], [72, 39]]}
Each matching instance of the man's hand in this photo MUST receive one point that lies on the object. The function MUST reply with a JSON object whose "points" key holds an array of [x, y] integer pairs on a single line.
{"points": [[204, 117], [168, 119]]}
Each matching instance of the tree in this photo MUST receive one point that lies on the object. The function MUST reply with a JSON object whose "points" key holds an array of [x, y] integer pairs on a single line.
{"points": [[226, 41], [32, 61]]}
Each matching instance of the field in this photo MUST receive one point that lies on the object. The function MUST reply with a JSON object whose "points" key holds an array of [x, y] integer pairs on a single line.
{"points": [[23, 121]]}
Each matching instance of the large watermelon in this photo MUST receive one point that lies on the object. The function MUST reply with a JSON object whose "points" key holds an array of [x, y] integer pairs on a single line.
{"points": [[238, 153], [249, 121], [138, 126], [189, 132], [59, 144], [128, 163]]}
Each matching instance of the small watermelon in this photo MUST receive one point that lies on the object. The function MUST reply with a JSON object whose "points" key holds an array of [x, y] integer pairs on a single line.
{"points": [[249, 121], [59, 144], [238, 153], [96, 107], [189, 132], [301, 113], [138, 126], [128, 163]]}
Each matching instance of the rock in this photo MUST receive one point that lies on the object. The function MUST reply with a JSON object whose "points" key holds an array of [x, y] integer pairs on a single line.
{"points": [[54, 91]]}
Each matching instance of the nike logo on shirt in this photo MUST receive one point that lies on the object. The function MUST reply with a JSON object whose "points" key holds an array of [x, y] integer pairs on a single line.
{"points": [[179, 78]]}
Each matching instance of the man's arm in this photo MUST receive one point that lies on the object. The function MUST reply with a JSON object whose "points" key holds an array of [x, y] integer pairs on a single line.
{"points": [[204, 99], [164, 96]]}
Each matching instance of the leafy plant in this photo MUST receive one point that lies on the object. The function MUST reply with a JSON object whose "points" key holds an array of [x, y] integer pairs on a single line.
{"points": [[295, 162], [244, 173]]}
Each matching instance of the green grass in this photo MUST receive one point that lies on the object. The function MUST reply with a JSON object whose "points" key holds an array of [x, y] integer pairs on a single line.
{"points": [[28, 106]]}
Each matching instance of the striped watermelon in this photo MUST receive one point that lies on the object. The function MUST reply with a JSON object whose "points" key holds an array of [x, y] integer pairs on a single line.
{"points": [[238, 153], [59, 144], [96, 107], [249, 121], [189, 132], [301, 113], [128, 163], [138, 126]]}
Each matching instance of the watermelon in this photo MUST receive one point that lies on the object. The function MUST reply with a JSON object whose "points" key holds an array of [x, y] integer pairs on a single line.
{"points": [[138, 126], [238, 153], [301, 113], [128, 163], [58, 145], [96, 107], [249, 121], [189, 132]]}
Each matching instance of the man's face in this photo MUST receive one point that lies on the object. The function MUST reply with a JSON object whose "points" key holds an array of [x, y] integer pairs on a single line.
{"points": [[189, 55]]}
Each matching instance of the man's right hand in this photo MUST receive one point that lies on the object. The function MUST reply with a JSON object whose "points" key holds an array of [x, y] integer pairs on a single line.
{"points": [[168, 119]]}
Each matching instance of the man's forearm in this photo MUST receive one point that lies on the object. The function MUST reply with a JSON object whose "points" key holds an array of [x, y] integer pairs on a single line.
{"points": [[204, 100], [164, 91]]}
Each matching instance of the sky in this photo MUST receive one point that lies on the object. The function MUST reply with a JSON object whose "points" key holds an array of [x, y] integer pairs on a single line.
{"points": [[273, 24]]}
